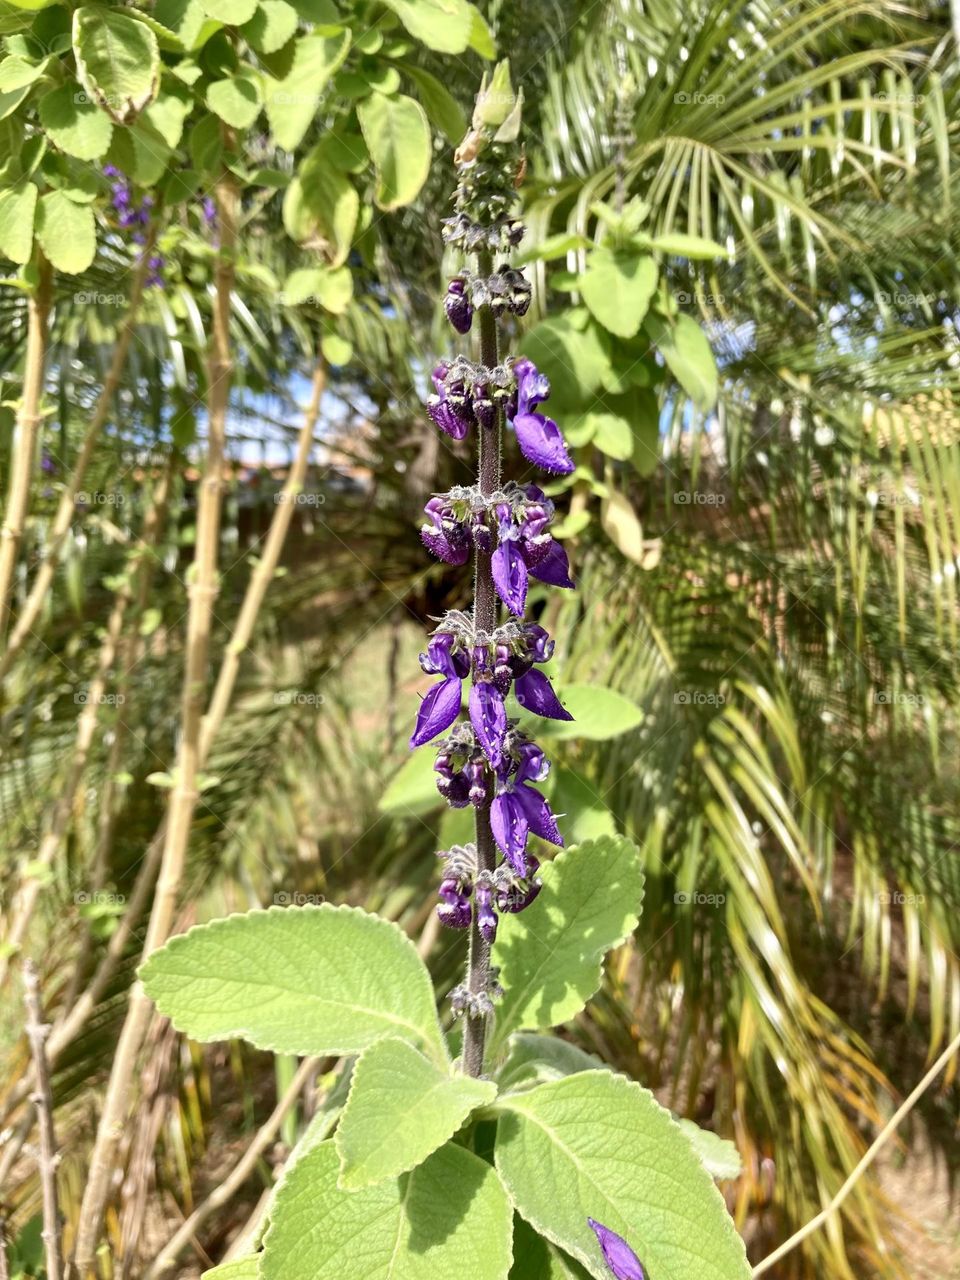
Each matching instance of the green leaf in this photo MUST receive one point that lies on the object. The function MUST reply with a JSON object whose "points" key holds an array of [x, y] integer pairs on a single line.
{"points": [[398, 138], [336, 350], [440, 105], [274, 23], [537, 1259], [292, 102], [67, 232], [612, 435], [232, 13], [587, 813], [239, 1269], [481, 37], [572, 358], [306, 980], [330, 207], [400, 1110], [622, 525], [413, 788], [551, 955], [17, 73], [444, 25], [72, 123], [617, 287], [448, 1217], [205, 143], [532, 1059], [332, 289], [187, 20], [596, 1145], [719, 1156], [167, 115], [679, 245], [236, 100], [687, 352], [17, 209], [598, 714], [118, 61]]}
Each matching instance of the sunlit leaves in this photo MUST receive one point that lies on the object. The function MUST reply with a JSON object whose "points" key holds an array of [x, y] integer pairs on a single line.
{"points": [[273, 24], [118, 61], [17, 210], [74, 124], [66, 232], [686, 350], [397, 135], [236, 99], [617, 286], [444, 25], [292, 102]]}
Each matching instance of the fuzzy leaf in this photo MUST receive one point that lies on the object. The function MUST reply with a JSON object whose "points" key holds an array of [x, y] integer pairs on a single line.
{"points": [[398, 138], [596, 1145], [680, 245], [719, 1156], [401, 1109], [330, 207], [440, 105], [67, 232], [239, 1269], [231, 12], [537, 1259], [598, 714], [74, 124], [413, 788], [291, 103], [687, 352], [274, 23], [236, 100], [448, 1217], [17, 210], [617, 287], [306, 980], [118, 60], [444, 25], [551, 955]]}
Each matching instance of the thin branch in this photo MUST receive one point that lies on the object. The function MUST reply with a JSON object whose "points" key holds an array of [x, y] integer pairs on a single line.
{"points": [[28, 423], [66, 508], [235, 1178], [881, 1140], [37, 1032]]}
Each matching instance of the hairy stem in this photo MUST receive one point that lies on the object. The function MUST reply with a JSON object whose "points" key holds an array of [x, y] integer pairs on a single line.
{"points": [[29, 417], [66, 507], [204, 577], [37, 1031], [485, 619]]}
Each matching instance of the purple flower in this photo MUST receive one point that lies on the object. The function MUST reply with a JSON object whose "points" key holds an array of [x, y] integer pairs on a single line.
{"points": [[489, 718], [486, 916], [445, 537], [457, 305], [492, 891], [450, 407], [554, 568], [518, 808], [441, 705], [617, 1254], [535, 692], [454, 910], [209, 210], [509, 566], [538, 436]]}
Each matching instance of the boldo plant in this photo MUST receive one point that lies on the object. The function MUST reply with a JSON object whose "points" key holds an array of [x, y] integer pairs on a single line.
{"points": [[504, 1150]]}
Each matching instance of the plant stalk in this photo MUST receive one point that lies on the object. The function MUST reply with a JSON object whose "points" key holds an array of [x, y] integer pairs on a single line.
{"points": [[29, 418], [65, 510], [37, 1031], [485, 619]]}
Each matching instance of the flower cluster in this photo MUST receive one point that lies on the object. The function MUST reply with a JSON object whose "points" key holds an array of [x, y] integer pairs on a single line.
{"points": [[135, 217], [512, 523], [486, 759], [468, 395], [466, 889]]}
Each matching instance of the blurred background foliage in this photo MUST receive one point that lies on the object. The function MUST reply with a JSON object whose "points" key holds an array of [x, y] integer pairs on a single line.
{"points": [[774, 597]]}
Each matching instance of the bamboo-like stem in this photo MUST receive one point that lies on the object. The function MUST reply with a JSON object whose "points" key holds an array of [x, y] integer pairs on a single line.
{"points": [[34, 602], [235, 1179], [37, 1031], [140, 1007], [68, 1028], [184, 795], [881, 1140], [62, 814], [29, 417], [484, 619]]}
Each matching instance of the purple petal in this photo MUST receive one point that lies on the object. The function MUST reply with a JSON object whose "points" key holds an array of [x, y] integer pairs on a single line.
{"points": [[554, 567], [532, 385], [538, 814], [535, 692], [617, 1254], [510, 828], [438, 710], [439, 545], [489, 718], [540, 441], [510, 576]]}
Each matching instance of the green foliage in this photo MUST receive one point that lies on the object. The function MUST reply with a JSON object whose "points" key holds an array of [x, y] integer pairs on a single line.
{"points": [[596, 1145], [304, 980], [398, 138], [118, 61], [551, 954], [67, 232], [617, 286], [450, 1213], [401, 1109]]}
